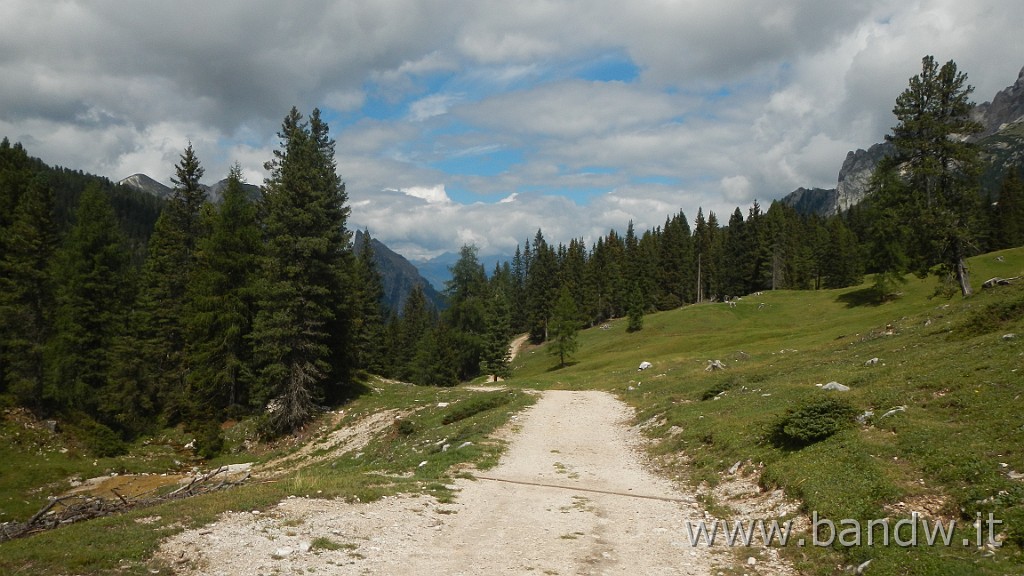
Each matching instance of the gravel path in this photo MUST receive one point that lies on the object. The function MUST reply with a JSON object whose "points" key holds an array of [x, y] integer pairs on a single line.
{"points": [[572, 495]]}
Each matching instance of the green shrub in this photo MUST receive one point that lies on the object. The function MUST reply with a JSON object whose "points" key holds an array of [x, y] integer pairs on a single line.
{"points": [[475, 405], [209, 440], [100, 440], [405, 427], [813, 421]]}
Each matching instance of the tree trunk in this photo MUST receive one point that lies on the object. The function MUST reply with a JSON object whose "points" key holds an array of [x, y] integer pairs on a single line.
{"points": [[963, 276]]}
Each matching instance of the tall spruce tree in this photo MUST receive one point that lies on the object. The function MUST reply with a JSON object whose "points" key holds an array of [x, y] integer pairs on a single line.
{"points": [[221, 305], [26, 291], [465, 315], [1008, 213], [368, 321], [942, 169], [564, 327], [92, 295], [301, 333], [541, 288], [496, 356], [158, 358]]}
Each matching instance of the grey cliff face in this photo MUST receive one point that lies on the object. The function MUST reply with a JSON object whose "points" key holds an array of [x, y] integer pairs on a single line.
{"points": [[1001, 141], [1006, 108]]}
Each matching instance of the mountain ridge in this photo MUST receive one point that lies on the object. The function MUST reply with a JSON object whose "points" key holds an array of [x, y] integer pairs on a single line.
{"points": [[1001, 141]]}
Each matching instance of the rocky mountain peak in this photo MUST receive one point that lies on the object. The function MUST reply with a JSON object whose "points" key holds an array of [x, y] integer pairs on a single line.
{"points": [[1007, 107], [1000, 118]]}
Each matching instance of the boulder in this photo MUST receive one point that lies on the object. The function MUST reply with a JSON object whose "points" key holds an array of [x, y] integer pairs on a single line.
{"points": [[714, 365], [836, 386]]}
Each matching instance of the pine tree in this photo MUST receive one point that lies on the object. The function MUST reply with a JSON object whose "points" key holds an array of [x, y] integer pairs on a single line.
{"points": [[844, 266], [890, 237], [541, 288], [92, 294], [416, 322], [496, 359], [564, 328], [26, 291], [464, 317], [368, 320], [737, 256], [302, 331], [941, 168], [636, 311], [158, 358], [1008, 213], [221, 305]]}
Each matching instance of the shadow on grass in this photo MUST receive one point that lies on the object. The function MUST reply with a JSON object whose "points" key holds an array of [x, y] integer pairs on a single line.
{"points": [[860, 298], [353, 390], [558, 367]]}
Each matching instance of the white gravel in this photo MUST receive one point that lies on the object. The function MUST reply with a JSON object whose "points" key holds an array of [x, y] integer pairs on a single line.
{"points": [[572, 495]]}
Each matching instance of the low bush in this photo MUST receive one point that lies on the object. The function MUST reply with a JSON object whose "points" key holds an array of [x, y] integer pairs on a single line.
{"points": [[475, 405], [812, 421]]}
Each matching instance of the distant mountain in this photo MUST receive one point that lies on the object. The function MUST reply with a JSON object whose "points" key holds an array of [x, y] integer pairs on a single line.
{"points": [[398, 275], [437, 270], [144, 183], [1001, 143]]}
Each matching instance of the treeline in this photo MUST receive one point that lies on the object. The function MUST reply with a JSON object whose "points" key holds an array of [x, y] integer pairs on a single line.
{"points": [[628, 275], [125, 315]]}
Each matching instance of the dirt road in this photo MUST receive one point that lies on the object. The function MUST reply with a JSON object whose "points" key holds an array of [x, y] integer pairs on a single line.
{"points": [[571, 496]]}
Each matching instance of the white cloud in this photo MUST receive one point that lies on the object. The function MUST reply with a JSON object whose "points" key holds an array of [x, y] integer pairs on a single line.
{"points": [[734, 100], [737, 189], [432, 194]]}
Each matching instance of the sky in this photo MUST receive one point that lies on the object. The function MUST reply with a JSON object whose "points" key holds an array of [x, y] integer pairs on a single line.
{"points": [[479, 122]]}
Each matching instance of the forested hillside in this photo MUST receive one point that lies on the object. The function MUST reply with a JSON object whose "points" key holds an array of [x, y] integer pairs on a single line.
{"points": [[121, 313]]}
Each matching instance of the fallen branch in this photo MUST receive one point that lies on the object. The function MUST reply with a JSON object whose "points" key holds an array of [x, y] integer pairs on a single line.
{"points": [[74, 509]]}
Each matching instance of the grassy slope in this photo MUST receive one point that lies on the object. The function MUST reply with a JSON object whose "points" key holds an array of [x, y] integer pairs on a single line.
{"points": [[957, 377], [945, 360]]}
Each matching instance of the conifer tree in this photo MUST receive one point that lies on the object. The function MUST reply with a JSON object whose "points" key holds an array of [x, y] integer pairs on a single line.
{"points": [[941, 167], [636, 311], [564, 327], [415, 323], [541, 288], [301, 334], [368, 319], [1008, 213], [465, 315], [158, 358], [496, 357], [890, 238], [221, 305], [92, 295], [26, 291]]}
